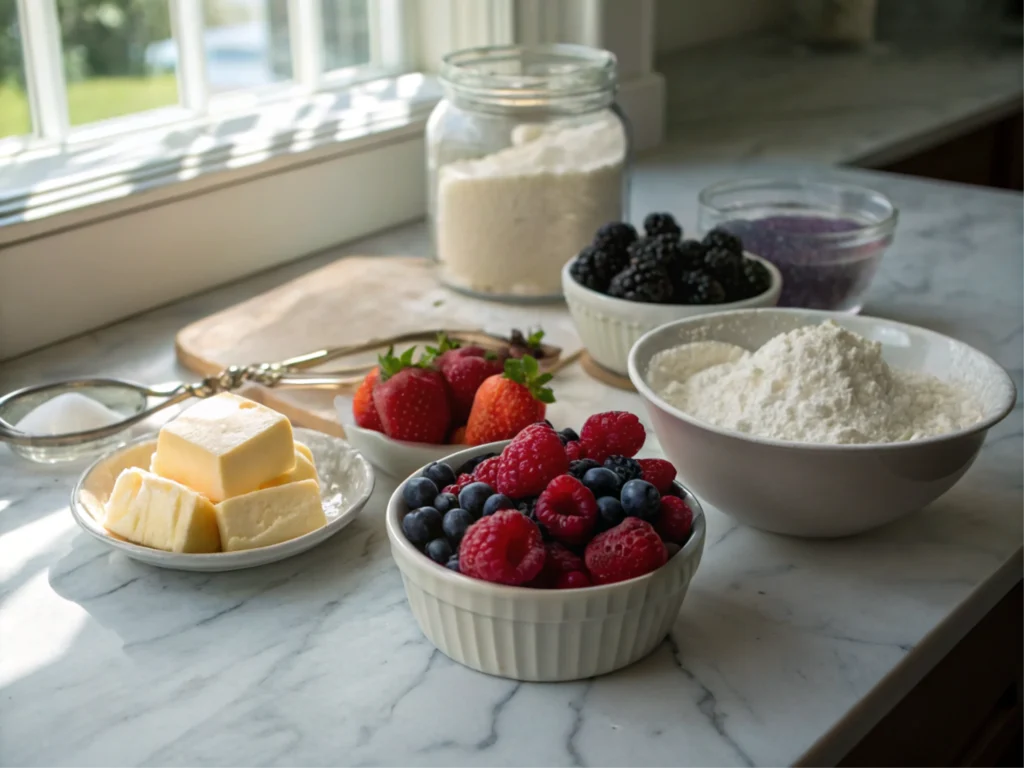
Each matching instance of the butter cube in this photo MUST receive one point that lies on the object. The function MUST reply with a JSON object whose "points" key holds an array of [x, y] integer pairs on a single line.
{"points": [[224, 446], [303, 470], [160, 513], [270, 516], [304, 450]]}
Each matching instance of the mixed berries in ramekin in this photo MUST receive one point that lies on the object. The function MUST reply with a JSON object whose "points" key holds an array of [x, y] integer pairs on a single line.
{"points": [[552, 510]]}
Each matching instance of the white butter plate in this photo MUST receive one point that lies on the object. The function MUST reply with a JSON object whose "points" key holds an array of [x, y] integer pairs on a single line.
{"points": [[346, 482]]}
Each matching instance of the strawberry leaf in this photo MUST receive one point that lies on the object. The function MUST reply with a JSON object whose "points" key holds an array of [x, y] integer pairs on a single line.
{"points": [[527, 372], [533, 340], [390, 365]]}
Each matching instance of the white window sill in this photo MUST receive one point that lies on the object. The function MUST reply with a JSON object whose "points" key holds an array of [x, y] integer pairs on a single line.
{"points": [[41, 185]]}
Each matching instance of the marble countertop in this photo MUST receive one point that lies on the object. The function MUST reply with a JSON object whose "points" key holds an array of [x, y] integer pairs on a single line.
{"points": [[768, 99], [784, 649]]}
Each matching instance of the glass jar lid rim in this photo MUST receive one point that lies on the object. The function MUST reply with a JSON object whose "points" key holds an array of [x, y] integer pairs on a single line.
{"points": [[574, 70]]}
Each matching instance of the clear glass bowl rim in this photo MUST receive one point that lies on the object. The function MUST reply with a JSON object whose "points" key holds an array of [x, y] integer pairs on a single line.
{"points": [[867, 233], [597, 72]]}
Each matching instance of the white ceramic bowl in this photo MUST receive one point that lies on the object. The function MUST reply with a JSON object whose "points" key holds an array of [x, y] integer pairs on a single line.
{"points": [[346, 482], [815, 490], [609, 327], [538, 634]]}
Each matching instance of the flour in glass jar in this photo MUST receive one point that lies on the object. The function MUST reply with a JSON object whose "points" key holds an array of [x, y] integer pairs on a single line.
{"points": [[816, 384]]}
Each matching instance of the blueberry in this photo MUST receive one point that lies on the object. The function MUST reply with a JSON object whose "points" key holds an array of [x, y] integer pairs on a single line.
{"points": [[610, 512], [439, 550], [627, 469], [419, 492], [415, 528], [439, 474], [568, 435], [640, 499], [496, 502], [455, 523], [453, 563], [445, 501], [602, 482], [473, 496], [579, 467], [432, 519]]}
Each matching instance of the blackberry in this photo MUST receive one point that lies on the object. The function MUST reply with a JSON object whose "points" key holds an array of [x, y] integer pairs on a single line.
{"points": [[719, 238], [627, 469], [727, 268], [579, 467], [691, 253], [662, 224], [527, 507], [594, 267], [661, 251], [701, 288], [643, 282], [615, 237], [756, 277]]}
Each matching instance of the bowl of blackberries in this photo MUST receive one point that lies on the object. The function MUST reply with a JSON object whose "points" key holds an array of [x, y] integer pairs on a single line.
{"points": [[626, 283], [551, 556]]}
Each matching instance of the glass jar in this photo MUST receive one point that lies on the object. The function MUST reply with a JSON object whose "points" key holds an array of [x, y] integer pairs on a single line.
{"points": [[527, 155]]}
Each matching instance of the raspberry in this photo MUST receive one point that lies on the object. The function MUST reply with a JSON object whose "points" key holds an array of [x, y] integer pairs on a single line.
{"points": [[530, 461], [461, 482], [487, 471], [574, 450], [567, 509], [630, 549], [659, 473], [674, 520], [558, 562], [572, 580], [614, 433], [504, 548]]}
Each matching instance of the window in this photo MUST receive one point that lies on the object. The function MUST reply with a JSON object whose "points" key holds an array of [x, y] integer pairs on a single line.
{"points": [[74, 69]]}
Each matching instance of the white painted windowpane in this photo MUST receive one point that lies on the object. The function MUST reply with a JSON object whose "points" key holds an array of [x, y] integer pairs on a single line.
{"points": [[15, 117], [118, 57], [346, 33], [246, 43]]}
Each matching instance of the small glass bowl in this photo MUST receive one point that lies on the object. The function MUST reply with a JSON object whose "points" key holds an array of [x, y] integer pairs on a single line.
{"points": [[128, 402], [826, 239]]}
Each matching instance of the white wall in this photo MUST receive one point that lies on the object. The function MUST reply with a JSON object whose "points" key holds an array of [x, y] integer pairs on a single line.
{"points": [[685, 23]]}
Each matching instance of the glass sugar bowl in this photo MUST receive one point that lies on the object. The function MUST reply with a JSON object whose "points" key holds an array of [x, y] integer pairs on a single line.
{"points": [[527, 155]]}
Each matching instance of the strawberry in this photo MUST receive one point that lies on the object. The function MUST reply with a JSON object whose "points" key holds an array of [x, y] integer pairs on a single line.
{"points": [[464, 375], [505, 404], [412, 400], [363, 409], [449, 351], [458, 436]]}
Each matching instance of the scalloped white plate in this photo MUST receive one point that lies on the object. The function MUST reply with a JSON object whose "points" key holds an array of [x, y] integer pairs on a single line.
{"points": [[346, 482]]}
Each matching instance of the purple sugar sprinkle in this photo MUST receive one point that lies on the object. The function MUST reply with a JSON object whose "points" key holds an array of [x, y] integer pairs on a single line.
{"points": [[815, 274]]}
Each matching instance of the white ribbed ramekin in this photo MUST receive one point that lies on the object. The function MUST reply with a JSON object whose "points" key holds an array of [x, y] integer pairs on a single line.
{"points": [[609, 327], [535, 634]]}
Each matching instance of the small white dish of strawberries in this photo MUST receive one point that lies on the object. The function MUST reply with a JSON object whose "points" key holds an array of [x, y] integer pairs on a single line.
{"points": [[411, 409], [551, 556]]}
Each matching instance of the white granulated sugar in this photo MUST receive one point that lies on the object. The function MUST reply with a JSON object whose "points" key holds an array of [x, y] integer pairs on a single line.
{"points": [[507, 222], [816, 384]]}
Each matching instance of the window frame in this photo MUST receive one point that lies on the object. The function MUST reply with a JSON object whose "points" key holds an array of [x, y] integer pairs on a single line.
{"points": [[79, 237]]}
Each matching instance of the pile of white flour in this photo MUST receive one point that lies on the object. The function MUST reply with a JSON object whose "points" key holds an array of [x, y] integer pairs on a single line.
{"points": [[817, 384]]}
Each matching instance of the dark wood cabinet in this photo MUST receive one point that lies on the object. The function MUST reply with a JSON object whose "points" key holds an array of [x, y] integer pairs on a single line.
{"points": [[967, 710], [989, 156]]}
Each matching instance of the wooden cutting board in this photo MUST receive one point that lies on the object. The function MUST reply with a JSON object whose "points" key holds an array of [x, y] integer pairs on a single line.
{"points": [[351, 300]]}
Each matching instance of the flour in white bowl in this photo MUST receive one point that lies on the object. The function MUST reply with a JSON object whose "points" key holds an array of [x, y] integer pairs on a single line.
{"points": [[508, 221], [816, 384]]}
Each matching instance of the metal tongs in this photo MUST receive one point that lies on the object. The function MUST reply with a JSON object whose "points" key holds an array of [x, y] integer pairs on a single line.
{"points": [[293, 373]]}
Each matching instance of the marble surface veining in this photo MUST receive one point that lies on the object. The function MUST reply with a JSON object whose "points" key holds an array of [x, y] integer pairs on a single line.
{"points": [[768, 99], [317, 660]]}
